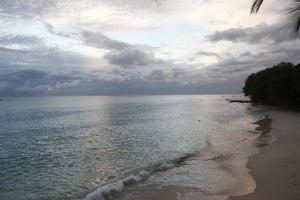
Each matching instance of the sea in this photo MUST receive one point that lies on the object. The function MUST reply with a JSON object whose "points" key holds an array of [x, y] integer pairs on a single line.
{"points": [[103, 147]]}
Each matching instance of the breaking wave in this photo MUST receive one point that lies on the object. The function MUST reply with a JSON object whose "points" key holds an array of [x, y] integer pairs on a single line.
{"points": [[104, 192], [218, 168]]}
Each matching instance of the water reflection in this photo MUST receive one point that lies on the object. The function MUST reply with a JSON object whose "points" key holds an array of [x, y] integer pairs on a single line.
{"points": [[59, 147]]}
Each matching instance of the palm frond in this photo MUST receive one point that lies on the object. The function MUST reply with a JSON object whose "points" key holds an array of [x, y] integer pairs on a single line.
{"points": [[294, 13], [256, 6]]}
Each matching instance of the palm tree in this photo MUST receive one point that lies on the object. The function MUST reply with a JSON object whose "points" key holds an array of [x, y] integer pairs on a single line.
{"points": [[256, 5], [294, 12]]}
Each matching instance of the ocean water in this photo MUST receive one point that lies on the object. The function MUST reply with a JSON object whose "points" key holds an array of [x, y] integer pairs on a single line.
{"points": [[79, 147]]}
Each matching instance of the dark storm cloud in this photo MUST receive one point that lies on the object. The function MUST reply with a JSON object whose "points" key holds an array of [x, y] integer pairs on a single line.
{"points": [[130, 57], [174, 75], [101, 41], [275, 33], [33, 82], [39, 57], [108, 82], [234, 35], [177, 72], [38, 71], [14, 79], [29, 74], [121, 54], [156, 75]]}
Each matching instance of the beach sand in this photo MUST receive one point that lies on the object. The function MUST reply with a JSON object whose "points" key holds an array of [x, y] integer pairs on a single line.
{"points": [[276, 169]]}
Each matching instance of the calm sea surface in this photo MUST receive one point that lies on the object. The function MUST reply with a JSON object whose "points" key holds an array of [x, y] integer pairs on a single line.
{"points": [[62, 147]]}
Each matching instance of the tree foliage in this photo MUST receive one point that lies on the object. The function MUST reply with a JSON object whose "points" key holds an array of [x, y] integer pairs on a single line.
{"points": [[279, 85], [294, 11]]}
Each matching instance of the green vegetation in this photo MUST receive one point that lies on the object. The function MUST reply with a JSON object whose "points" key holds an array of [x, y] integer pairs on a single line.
{"points": [[279, 85]]}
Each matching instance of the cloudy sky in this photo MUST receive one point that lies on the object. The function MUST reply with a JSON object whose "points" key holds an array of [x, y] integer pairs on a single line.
{"points": [[121, 47]]}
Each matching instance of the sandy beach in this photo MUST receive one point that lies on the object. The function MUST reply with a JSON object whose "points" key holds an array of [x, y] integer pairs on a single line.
{"points": [[276, 169]]}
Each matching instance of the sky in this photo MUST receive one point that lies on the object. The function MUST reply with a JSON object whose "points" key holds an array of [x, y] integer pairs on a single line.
{"points": [[136, 47]]}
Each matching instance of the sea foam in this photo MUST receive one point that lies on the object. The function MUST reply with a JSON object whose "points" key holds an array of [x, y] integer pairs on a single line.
{"points": [[104, 192]]}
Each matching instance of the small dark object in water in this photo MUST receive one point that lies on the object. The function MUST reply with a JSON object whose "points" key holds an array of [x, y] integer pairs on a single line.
{"points": [[239, 101]]}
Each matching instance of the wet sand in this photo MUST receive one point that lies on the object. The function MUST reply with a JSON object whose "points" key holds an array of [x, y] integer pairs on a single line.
{"points": [[276, 169], [167, 193]]}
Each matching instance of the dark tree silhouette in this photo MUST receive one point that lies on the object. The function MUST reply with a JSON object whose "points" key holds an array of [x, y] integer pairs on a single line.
{"points": [[279, 85], [294, 11], [256, 6]]}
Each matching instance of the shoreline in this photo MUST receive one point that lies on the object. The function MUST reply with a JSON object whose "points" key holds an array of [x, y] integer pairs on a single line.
{"points": [[231, 166], [276, 168], [273, 172]]}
